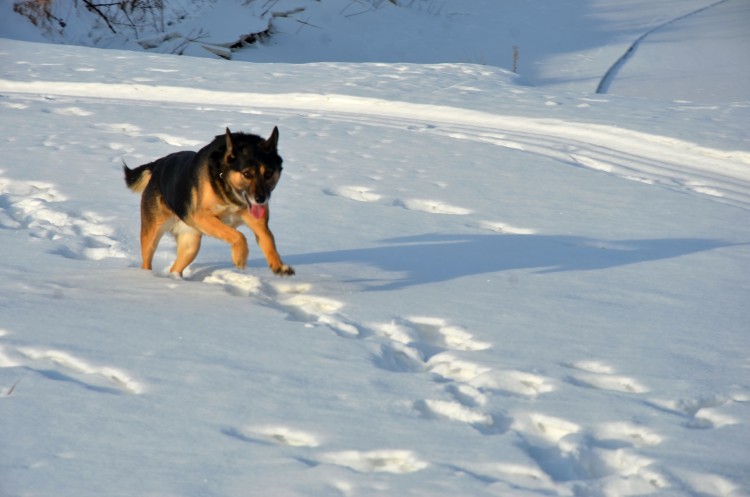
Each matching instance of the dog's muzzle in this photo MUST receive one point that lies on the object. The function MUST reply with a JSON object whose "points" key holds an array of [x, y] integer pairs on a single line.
{"points": [[257, 210]]}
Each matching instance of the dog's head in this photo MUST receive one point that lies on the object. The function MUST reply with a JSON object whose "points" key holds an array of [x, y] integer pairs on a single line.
{"points": [[253, 168]]}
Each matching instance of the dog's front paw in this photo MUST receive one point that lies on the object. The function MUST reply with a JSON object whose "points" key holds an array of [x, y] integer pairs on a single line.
{"points": [[283, 270]]}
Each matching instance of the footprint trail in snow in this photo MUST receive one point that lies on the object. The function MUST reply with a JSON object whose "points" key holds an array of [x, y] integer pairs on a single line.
{"points": [[33, 206], [561, 452]]}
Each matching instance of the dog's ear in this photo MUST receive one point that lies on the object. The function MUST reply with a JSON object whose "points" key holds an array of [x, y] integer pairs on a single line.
{"points": [[273, 140], [228, 154], [229, 142]]}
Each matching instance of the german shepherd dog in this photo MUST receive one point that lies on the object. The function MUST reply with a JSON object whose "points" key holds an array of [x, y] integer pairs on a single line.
{"points": [[210, 192]]}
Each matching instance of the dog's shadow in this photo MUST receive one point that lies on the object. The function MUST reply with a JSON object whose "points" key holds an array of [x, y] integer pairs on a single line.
{"points": [[432, 258]]}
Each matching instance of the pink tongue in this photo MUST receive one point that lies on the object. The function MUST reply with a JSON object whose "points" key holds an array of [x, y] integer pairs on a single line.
{"points": [[258, 211]]}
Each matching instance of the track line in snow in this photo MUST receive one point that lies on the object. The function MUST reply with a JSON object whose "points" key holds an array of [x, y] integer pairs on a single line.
{"points": [[609, 382], [501, 227], [60, 365], [424, 345], [711, 485], [366, 194], [356, 193], [597, 374], [431, 206], [723, 175], [290, 298], [32, 206], [66, 361], [568, 452], [626, 432], [376, 461], [604, 457], [611, 73], [278, 435], [698, 413]]}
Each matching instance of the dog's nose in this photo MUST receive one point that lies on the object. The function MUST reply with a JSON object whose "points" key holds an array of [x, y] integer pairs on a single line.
{"points": [[261, 199]]}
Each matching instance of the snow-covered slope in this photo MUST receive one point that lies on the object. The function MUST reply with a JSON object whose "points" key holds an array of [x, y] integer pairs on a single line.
{"points": [[500, 291], [675, 49]]}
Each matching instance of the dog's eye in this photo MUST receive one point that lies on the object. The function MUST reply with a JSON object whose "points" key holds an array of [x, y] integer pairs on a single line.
{"points": [[248, 173], [268, 174]]}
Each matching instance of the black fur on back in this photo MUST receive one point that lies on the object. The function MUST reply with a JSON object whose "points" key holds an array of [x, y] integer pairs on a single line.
{"points": [[174, 177]]}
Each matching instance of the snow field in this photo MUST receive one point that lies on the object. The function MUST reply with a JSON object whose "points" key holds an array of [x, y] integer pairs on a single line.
{"points": [[485, 304]]}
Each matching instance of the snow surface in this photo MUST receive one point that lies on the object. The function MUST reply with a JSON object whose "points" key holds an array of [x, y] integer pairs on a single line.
{"points": [[686, 49], [501, 289]]}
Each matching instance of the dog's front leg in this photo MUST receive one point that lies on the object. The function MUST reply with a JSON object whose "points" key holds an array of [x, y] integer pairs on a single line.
{"points": [[211, 225], [267, 243]]}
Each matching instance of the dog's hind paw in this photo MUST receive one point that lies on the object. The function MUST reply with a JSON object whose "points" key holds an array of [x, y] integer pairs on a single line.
{"points": [[283, 270]]}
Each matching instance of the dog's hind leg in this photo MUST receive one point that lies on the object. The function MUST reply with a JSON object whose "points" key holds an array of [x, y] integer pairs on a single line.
{"points": [[155, 219], [150, 236], [188, 245]]}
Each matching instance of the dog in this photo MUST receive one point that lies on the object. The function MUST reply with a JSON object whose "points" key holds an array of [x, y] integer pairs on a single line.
{"points": [[210, 192]]}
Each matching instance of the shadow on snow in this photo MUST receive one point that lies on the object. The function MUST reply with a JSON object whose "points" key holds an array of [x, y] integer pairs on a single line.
{"points": [[432, 258]]}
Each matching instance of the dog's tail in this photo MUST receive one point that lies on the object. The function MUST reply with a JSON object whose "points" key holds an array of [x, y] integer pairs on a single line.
{"points": [[138, 178]]}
